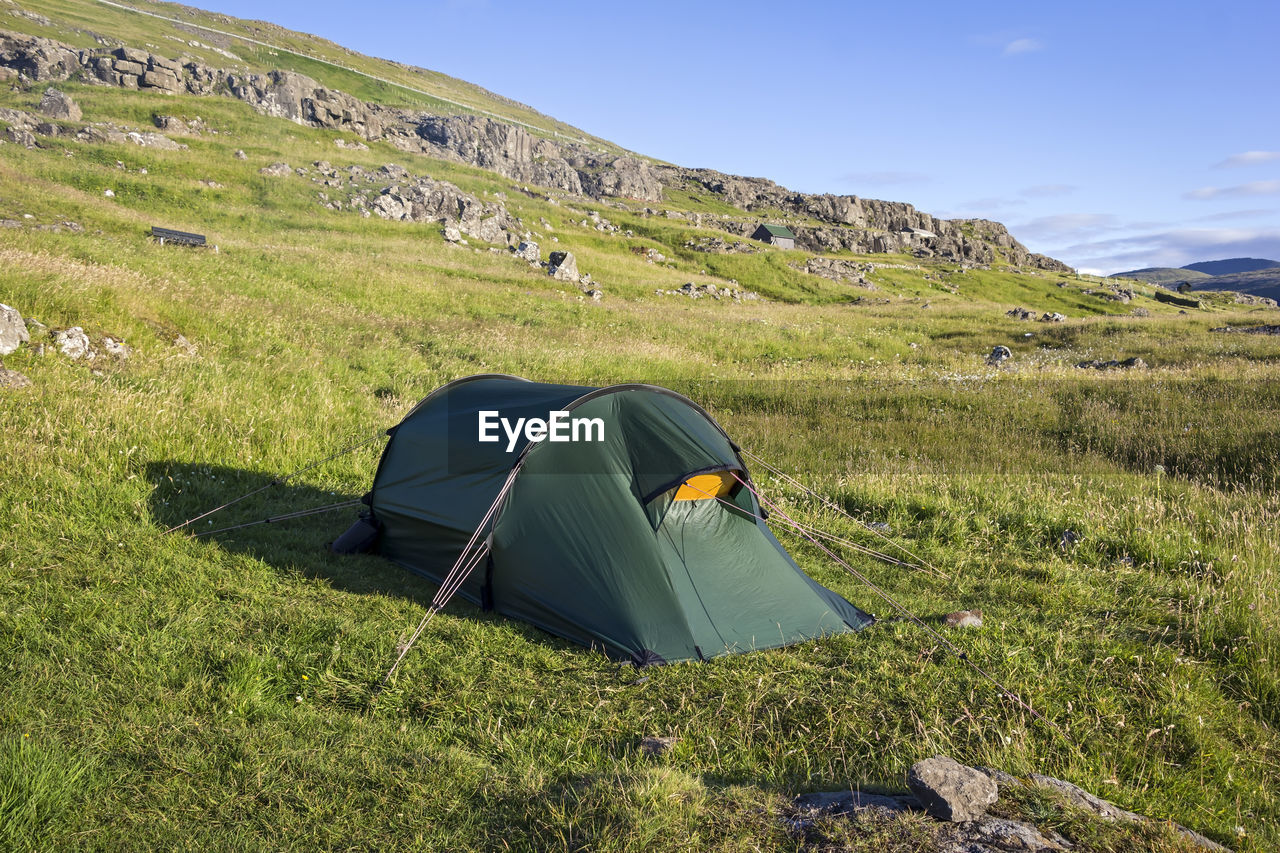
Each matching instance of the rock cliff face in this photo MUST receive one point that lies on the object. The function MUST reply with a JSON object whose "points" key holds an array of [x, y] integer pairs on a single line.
{"points": [[849, 222], [858, 224]]}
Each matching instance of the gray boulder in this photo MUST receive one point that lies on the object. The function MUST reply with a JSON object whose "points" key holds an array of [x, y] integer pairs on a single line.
{"points": [[73, 343], [949, 790], [13, 330], [563, 266], [999, 355], [59, 105], [528, 251], [277, 170]]}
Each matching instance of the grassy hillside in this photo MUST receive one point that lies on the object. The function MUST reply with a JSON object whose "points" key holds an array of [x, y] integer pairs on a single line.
{"points": [[221, 41], [221, 692]]}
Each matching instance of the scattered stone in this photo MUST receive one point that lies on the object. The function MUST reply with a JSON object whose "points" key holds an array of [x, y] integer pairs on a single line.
{"points": [[109, 193], [276, 170], [1021, 314], [1053, 317], [694, 291], [350, 146], [73, 343], [1140, 312], [656, 746], [1249, 330], [528, 251], [452, 234], [118, 349], [880, 526], [13, 330], [999, 355], [849, 802], [980, 833], [240, 155], [1069, 539], [964, 619], [949, 790], [1134, 363], [563, 266], [56, 104], [12, 378]]}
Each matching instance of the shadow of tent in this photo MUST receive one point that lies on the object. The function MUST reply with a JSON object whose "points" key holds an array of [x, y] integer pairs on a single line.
{"points": [[300, 545]]}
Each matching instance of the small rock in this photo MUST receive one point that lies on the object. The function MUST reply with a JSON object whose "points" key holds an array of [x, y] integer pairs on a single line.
{"points": [[452, 234], [12, 378], [527, 250], [965, 619], [563, 266], [999, 355], [949, 790], [880, 527], [13, 330], [656, 746], [119, 349], [276, 170], [109, 193], [1069, 539], [240, 155], [1053, 317], [1020, 314], [73, 343], [59, 105]]}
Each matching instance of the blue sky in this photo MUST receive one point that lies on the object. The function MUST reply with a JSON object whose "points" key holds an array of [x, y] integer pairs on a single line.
{"points": [[1110, 135]]}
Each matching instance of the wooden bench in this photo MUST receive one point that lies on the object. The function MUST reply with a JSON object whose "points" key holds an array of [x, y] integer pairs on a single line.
{"points": [[182, 238]]}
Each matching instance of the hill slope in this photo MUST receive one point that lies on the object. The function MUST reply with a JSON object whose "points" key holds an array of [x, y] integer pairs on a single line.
{"points": [[1231, 266]]}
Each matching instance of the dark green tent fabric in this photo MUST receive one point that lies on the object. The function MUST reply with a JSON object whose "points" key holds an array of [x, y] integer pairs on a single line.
{"points": [[588, 544]]}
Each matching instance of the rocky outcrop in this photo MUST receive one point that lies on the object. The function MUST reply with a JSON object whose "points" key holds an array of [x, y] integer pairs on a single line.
{"points": [[858, 224], [973, 830], [427, 200], [298, 98]]}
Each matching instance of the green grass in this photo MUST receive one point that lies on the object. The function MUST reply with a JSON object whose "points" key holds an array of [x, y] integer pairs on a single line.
{"points": [[172, 692]]}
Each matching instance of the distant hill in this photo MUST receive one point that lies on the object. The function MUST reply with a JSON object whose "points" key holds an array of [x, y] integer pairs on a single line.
{"points": [[1263, 282], [1231, 266], [1163, 275], [1255, 276]]}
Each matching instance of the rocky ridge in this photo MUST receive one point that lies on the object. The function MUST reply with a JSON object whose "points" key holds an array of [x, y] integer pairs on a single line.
{"points": [[823, 223]]}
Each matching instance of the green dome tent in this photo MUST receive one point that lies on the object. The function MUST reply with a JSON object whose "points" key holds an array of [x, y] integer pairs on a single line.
{"points": [[629, 527]]}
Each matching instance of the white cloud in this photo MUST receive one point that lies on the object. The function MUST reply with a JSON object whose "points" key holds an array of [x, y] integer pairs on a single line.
{"points": [[1023, 46], [1228, 215], [1248, 158], [1242, 190], [1063, 227]]}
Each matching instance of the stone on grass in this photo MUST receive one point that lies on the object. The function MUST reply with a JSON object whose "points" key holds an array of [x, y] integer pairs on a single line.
{"points": [[563, 266], [13, 330], [999, 355], [73, 343], [12, 379], [276, 170], [657, 745], [949, 790], [57, 104]]}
